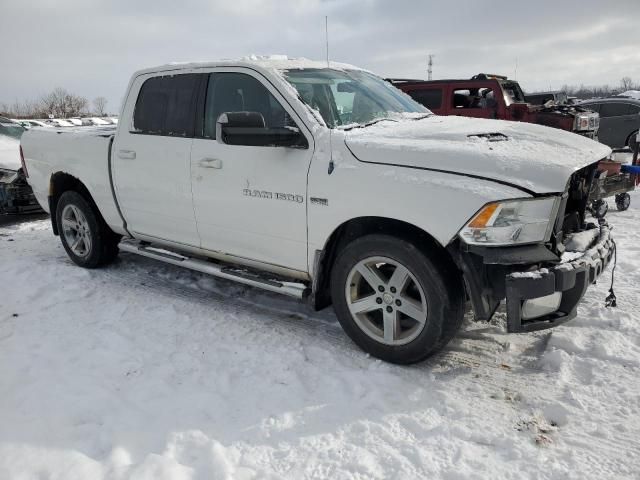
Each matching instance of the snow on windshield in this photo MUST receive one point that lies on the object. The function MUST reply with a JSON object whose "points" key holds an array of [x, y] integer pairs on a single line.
{"points": [[346, 98]]}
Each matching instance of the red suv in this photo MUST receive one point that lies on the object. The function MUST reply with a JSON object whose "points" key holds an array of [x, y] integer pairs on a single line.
{"points": [[495, 96]]}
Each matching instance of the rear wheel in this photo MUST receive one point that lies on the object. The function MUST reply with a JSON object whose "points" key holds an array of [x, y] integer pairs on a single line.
{"points": [[623, 200], [85, 236], [395, 302]]}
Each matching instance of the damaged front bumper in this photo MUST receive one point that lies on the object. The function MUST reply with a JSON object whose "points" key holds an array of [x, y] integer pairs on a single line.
{"points": [[549, 296], [16, 196], [541, 291]]}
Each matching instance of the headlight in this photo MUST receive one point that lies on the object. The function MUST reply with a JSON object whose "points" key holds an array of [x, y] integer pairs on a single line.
{"points": [[582, 122], [512, 222]]}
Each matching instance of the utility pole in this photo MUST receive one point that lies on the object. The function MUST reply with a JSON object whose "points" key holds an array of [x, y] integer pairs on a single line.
{"points": [[430, 69]]}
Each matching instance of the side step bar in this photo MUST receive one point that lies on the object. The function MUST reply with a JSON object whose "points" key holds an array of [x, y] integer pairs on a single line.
{"points": [[292, 289]]}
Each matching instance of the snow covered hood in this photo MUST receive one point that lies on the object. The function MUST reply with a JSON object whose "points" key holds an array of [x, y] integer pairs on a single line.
{"points": [[533, 157], [9, 153]]}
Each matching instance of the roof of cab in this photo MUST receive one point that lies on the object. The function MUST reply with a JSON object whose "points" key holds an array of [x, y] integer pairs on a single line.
{"points": [[269, 62]]}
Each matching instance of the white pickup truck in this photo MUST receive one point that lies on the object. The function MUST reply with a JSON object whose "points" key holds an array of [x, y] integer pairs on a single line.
{"points": [[324, 182]]}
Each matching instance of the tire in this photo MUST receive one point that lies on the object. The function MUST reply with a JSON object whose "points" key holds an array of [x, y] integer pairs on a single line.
{"points": [[631, 139], [623, 200], [77, 220], [600, 208], [386, 329]]}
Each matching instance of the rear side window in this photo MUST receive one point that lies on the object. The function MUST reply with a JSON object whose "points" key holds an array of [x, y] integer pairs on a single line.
{"points": [[483, 97], [633, 110], [165, 106], [614, 109], [430, 98]]}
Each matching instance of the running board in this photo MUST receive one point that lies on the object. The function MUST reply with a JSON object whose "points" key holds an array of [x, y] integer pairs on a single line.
{"points": [[292, 289]]}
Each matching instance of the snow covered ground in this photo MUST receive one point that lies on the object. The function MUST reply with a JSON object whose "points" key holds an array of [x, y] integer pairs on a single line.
{"points": [[144, 371]]}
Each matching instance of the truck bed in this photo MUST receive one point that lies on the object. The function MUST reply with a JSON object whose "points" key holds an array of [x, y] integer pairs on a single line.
{"points": [[82, 152]]}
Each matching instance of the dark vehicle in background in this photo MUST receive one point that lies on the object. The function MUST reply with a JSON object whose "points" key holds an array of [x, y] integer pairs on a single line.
{"points": [[494, 96], [540, 98], [16, 195], [619, 119]]}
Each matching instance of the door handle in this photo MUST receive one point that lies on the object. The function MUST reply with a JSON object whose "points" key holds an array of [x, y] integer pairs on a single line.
{"points": [[210, 163], [127, 154]]}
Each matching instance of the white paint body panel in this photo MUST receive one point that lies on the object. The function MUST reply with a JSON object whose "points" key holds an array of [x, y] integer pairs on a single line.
{"points": [[229, 220], [380, 171], [81, 152], [9, 153], [154, 188]]}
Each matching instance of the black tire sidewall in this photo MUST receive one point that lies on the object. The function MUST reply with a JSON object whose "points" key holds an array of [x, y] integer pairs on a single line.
{"points": [[444, 298], [623, 201], [97, 234]]}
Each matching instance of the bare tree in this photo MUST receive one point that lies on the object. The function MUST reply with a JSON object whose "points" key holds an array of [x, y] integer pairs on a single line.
{"points": [[60, 103], [99, 105], [626, 83]]}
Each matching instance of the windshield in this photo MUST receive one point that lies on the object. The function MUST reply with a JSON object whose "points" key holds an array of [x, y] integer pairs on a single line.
{"points": [[10, 128], [513, 92], [348, 97]]}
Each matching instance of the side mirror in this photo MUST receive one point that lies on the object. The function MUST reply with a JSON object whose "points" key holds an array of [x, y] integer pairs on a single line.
{"points": [[249, 129]]}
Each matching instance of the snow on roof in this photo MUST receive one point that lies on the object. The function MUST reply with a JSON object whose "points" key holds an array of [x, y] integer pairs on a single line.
{"points": [[274, 62], [631, 93]]}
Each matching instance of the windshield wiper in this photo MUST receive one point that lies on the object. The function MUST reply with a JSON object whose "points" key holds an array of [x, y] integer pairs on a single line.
{"points": [[368, 124]]}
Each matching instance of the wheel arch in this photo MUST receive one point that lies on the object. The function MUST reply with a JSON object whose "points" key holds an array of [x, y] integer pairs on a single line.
{"points": [[61, 182], [358, 227]]}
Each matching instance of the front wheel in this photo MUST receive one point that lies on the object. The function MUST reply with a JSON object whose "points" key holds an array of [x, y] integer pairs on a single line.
{"points": [[393, 301], [599, 208], [85, 236]]}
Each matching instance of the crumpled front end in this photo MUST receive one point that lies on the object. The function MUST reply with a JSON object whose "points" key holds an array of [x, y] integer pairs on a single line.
{"points": [[542, 283], [16, 196]]}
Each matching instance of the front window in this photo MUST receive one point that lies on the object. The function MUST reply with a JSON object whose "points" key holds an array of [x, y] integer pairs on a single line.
{"points": [[513, 92], [347, 98]]}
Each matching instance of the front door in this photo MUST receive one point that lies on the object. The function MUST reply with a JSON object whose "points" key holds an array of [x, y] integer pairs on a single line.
{"points": [[250, 202], [152, 158]]}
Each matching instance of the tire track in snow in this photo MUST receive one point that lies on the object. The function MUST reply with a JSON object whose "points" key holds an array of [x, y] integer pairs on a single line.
{"points": [[489, 361]]}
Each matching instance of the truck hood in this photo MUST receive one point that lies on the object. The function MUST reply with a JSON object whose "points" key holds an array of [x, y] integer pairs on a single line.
{"points": [[9, 153], [533, 157]]}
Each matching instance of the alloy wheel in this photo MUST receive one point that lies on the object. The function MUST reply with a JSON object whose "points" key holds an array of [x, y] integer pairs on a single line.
{"points": [[386, 301], [76, 231]]}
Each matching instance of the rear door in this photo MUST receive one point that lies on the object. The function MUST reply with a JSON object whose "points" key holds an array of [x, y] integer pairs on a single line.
{"points": [[250, 201], [151, 157]]}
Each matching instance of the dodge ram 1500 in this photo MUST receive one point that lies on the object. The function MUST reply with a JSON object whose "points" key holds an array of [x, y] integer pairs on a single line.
{"points": [[327, 183]]}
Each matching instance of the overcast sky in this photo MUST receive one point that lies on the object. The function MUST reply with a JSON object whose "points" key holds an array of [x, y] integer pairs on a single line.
{"points": [[92, 47]]}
